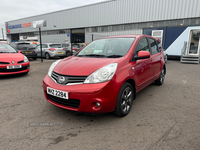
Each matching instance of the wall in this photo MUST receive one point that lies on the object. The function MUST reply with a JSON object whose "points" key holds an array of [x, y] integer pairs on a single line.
{"points": [[114, 12], [96, 35]]}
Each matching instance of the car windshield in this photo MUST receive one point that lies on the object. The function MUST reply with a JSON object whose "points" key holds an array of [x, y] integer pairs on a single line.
{"points": [[5, 48], [25, 47], [55, 45], [108, 48]]}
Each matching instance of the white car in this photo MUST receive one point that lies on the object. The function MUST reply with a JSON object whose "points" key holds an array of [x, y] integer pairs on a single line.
{"points": [[51, 50]]}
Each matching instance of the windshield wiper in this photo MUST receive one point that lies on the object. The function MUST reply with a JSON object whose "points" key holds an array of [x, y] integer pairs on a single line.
{"points": [[114, 56], [93, 55]]}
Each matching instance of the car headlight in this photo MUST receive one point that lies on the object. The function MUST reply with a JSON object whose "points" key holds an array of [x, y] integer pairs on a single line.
{"points": [[25, 59], [52, 66], [103, 74]]}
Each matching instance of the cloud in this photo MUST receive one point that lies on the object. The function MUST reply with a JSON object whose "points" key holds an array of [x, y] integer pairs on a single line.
{"points": [[13, 10]]}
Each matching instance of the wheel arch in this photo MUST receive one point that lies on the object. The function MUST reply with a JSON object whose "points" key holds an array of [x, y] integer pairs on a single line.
{"points": [[165, 69]]}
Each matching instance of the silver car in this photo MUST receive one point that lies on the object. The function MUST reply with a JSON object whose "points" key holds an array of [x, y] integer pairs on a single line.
{"points": [[51, 50]]}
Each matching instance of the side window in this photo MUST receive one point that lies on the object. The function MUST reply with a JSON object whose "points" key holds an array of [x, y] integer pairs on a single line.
{"points": [[44, 46], [142, 46], [153, 45], [159, 46]]}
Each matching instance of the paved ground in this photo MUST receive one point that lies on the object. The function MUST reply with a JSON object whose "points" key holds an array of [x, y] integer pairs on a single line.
{"points": [[165, 117]]}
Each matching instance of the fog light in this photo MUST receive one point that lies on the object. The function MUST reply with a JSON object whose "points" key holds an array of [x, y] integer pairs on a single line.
{"points": [[97, 104]]}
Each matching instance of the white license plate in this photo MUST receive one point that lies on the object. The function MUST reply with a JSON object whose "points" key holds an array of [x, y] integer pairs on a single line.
{"points": [[14, 67], [57, 93]]}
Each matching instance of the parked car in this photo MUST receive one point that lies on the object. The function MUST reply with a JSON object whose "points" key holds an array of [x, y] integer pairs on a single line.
{"points": [[72, 50], [106, 74], [25, 48], [51, 50], [67, 47], [12, 62]]}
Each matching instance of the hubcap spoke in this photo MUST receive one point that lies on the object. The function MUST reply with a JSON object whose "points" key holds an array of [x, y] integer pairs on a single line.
{"points": [[126, 100]]}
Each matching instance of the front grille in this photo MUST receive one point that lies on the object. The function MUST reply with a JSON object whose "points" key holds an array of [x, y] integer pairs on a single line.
{"points": [[19, 62], [68, 79], [4, 63], [65, 102], [14, 70]]}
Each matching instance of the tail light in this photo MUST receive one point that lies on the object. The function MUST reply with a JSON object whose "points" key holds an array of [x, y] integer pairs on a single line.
{"points": [[35, 51], [52, 49], [63, 49], [20, 51], [73, 48]]}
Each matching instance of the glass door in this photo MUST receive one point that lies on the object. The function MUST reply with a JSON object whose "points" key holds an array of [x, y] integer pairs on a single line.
{"points": [[194, 42]]}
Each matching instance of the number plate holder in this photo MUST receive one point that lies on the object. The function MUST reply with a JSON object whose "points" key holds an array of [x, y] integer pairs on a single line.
{"points": [[57, 93], [14, 67]]}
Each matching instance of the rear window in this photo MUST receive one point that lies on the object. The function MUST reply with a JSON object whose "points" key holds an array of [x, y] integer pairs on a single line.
{"points": [[24, 46], [55, 45], [65, 45]]}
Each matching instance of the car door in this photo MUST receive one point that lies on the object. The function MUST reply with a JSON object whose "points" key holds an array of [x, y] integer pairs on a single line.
{"points": [[44, 49], [142, 69], [38, 51], [156, 57]]}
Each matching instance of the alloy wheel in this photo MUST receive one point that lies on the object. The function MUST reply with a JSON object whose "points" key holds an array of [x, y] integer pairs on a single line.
{"points": [[126, 100]]}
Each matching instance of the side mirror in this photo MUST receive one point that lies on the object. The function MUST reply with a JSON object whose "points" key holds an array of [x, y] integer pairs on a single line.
{"points": [[142, 55]]}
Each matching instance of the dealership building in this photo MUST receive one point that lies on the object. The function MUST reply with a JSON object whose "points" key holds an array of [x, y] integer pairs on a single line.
{"points": [[172, 21]]}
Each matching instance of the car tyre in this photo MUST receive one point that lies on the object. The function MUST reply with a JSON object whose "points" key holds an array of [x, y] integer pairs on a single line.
{"points": [[161, 78], [68, 54], [124, 100], [47, 56]]}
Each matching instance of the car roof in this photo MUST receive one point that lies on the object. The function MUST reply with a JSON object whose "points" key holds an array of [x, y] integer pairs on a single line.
{"points": [[128, 35], [51, 43]]}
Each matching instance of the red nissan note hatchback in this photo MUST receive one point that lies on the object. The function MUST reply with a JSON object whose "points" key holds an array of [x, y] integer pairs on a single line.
{"points": [[106, 74]]}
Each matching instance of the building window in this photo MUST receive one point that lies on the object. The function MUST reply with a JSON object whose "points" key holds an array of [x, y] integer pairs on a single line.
{"points": [[109, 28], [150, 24], [155, 24], [52, 32], [61, 31], [99, 29], [179, 22], [104, 29], [115, 28], [121, 27], [194, 22], [186, 21], [135, 26], [94, 29], [86, 29], [128, 27]]}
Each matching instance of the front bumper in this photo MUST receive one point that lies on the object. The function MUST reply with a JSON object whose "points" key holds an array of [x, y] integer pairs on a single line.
{"points": [[84, 96], [4, 71]]}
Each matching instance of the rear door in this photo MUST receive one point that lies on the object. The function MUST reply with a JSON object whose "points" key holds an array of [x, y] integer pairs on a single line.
{"points": [[155, 56]]}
